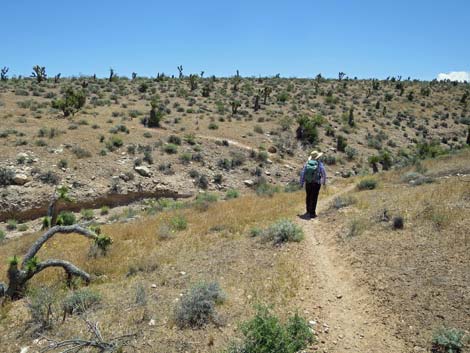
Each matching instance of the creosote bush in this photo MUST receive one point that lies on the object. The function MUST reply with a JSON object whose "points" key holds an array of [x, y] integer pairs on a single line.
{"points": [[197, 307]]}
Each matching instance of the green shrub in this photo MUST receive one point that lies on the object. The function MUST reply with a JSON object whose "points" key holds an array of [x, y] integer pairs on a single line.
{"points": [[231, 194], [367, 184], [170, 148], [179, 222], [265, 333], [292, 186], [104, 210], [265, 189], [87, 214], [22, 227], [307, 130], [283, 231], [176, 140], [356, 227], [80, 301], [342, 201], [213, 126], [80, 152], [113, 143], [41, 304], [197, 307], [66, 219], [12, 224], [447, 340], [2, 236]]}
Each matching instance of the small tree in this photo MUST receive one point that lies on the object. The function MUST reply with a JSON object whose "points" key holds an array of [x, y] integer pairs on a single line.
{"points": [[39, 72], [235, 105], [112, 75], [19, 275], [236, 81], [72, 101], [341, 143], [3, 74], [341, 75], [206, 90], [373, 161], [351, 117], [180, 71], [60, 195], [193, 82], [57, 78], [256, 105], [266, 92], [156, 114], [134, 76]]}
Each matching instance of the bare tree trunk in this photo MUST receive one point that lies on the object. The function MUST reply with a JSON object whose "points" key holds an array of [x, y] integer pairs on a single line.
{"points": [[19, 277]]}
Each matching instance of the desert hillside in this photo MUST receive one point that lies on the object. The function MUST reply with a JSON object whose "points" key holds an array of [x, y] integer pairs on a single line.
{"points": [[179, 223]]}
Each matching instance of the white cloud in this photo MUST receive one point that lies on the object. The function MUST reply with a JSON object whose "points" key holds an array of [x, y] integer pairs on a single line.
{"points": [[454, 76]]}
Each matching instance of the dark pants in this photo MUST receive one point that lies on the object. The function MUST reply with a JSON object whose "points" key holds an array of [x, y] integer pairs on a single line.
{"points": [[312, 190]]}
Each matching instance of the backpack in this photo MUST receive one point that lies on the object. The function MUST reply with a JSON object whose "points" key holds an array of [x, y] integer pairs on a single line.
{"points": [[312, 171]]}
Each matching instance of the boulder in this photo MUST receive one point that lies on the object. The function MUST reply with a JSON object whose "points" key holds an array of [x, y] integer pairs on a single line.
{"points": [[249, 182], [142, 170], [272, 149], [20, 179]]}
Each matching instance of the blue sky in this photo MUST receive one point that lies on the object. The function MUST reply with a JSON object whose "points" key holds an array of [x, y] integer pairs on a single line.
{"points": [[363, 38]]}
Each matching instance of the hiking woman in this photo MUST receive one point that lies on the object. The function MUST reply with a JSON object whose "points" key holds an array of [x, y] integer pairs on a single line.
{"points": [[314, 176]]}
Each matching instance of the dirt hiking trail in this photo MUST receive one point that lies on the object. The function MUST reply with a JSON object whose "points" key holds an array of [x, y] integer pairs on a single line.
{"points": [[349, 319]]}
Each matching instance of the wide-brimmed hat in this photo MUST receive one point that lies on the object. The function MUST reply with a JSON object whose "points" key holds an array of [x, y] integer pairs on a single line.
{"points": [[315, 155]]}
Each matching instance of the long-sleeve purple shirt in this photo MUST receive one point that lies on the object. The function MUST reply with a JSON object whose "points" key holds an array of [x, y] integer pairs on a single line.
{"points": [[322, 174]]}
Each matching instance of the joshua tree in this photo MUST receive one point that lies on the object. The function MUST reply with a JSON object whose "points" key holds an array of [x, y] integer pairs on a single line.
{"points": [[60, 195], [202, 74], [3, 74], [351, 117], [112, 75], [180, 70], [235, 104], [57, 78], [341, 75], [39, 72], [94, 77], [18, 276], [193, 82], [236, 81], [256, 106], [266, 92]]}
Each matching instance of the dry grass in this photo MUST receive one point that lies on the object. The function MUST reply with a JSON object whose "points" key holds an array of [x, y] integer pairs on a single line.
{"points": [[420, 273], [213, 248]]}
